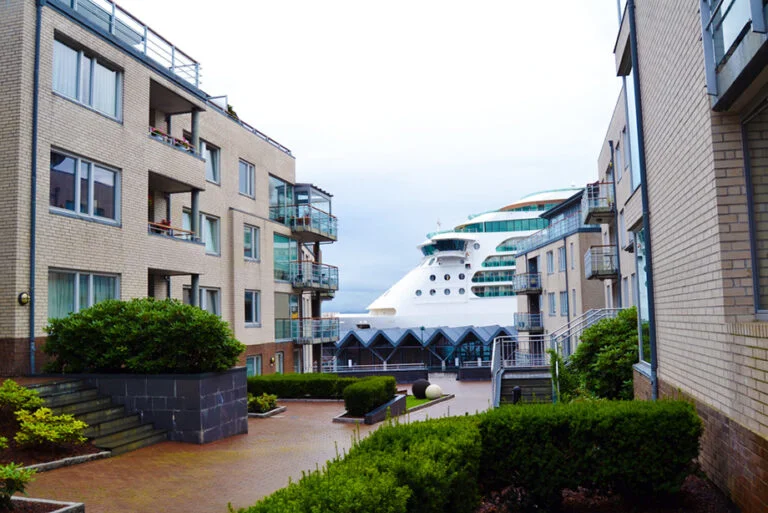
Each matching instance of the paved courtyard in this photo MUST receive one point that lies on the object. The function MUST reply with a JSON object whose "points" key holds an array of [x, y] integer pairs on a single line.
{"points": [[173, 477]]}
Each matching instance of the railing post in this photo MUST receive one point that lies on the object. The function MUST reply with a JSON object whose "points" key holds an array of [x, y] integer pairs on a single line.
{"points": [[112, 19], [197, 74], [146, 33], [173, 59]]}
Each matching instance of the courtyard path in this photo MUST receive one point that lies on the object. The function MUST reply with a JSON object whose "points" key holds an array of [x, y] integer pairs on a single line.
{"points": [[183, 478]]}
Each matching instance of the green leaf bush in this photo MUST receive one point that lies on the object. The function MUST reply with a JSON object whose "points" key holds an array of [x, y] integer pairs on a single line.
{"points": [[637, 449], [141, 336], [3, 443], [368, 394], [300, 386], [14, 397], [13, 479], [43, 428], [262, 403]]}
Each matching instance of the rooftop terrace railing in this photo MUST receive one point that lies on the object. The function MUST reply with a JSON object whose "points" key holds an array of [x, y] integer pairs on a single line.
{"points": [[555, 230], [109, 17]]}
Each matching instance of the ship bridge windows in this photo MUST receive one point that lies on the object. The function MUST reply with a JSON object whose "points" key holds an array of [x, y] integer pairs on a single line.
{"points": [[444, 245]]}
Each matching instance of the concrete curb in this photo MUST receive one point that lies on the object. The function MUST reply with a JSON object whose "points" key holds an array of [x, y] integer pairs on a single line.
{"points": [[309, 400], [66, 507], [67, 462], [275, 411], [433, 402]]}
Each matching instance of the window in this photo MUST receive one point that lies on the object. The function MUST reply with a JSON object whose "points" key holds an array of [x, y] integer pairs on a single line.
{"points": [[210, 233], [247, 178], [86, 80], [573, 303], [632, 149], [418, 293], [633, 285], [252, 308], [625, 292], [208, 299], [622, 231], [251, 245], [285, 251], [88, 189], [641, 291], [253, 365], [72, 291], [552, 304], [212, 162], [281, 195], [561, 258], [279, 362], [564, 303], [617, 160], [550, 262], [573, 259]]}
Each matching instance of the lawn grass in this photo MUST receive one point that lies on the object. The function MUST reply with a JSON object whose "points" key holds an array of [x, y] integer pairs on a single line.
{"points": [[411, 401]]}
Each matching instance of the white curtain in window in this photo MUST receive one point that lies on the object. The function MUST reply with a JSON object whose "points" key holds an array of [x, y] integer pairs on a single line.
{"points": [[61, 294], [64, 70], [104, 287], [104, 90], [211, 234]]}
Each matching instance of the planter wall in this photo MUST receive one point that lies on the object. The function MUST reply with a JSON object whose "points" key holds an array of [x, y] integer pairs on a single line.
{"points": [[396, 407], [194, 408], [401, 376]]}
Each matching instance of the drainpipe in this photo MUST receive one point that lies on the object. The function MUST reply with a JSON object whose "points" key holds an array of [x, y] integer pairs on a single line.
{"points": [[644, 193], [616, 225], [33, 188]]}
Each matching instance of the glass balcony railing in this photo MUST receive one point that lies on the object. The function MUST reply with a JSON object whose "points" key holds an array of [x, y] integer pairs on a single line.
{"points": [[306, 218], [556, 230], [493, 276], [527, 283], [528, 322], [309, 275], [597, 203], [601, 262], [728, 22], [314, 331]]}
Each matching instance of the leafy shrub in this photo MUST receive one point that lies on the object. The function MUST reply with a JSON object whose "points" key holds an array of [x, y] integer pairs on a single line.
{"points": [[142, 336], [637, 449], [298, 386], [13, 479], [3, 443], [14, 397], [43, 428], [368, 394], [262, 403]]}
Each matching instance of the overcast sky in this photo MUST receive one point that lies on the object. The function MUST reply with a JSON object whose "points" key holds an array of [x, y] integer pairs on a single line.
{"points": [[409, 112]]}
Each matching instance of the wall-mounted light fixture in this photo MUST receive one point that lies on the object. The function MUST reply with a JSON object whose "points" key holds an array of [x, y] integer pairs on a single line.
{"points": [[24, 298], [272, 361]]}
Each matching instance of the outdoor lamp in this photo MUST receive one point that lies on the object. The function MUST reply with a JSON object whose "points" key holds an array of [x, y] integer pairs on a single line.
{"points": [[24, 298]]}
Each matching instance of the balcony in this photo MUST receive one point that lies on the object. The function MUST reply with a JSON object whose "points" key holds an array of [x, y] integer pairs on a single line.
{"points": [[311, 276], [601, 262], [307, 330], [529, 322], [597, 203], [179, 144], [308, 224], [527, 283]]}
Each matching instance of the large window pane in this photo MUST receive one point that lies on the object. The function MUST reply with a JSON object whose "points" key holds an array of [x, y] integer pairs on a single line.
{"points": [[105, 90], [248, 242], [61, 294], [211, 163], [642, 297], [246, 172], [85, 79], [83, 299], [62, 189], [633, 128], [211, 234], [64, 70], [104, 287], [104, 192], [211, 301], [249, 318], [84, 192], [285, 250]]}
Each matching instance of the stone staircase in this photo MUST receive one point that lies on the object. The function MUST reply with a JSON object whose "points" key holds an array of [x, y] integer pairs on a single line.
{"points": [[535, 386], [109, 426]]}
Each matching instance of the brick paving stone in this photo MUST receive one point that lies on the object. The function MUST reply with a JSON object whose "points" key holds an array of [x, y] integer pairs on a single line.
{"points": [[173, 477]]}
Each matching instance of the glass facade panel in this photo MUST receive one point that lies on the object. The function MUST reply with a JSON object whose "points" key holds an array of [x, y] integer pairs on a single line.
{"points": [[280, 197], [728, 25], [285, 251]]}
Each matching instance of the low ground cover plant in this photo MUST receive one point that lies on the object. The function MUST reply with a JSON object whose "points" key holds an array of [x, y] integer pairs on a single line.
{"points": [[444, 465], [141, 336], [13, 479], [262, 403]]}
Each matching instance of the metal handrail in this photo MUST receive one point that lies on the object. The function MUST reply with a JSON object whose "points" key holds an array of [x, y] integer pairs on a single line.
{"points": [[571, 332]]}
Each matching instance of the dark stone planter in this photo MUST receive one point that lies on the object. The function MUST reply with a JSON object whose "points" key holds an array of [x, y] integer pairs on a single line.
{"points": [[194, 408], [396, 408], [63, 507]]}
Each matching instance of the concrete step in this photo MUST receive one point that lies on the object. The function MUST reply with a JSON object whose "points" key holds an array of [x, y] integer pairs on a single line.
{"points": [[101, 415], [62, 398], [78, 407], [151, 438], [46, 389], [123, 436], [113, 425]]}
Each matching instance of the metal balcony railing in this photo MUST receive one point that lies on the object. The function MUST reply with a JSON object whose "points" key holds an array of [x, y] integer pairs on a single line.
{"points": [[306, 218], [310, 275], [523, 351], [600, 262], [527, 283], [528, 322], [597, 203], [181, 144], [112, 19], [170, 231], [315, 331]]}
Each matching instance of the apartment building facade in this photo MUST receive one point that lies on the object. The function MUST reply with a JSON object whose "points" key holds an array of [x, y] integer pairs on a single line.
{"points": [[693, 107], [121, 178], [551, 287]]}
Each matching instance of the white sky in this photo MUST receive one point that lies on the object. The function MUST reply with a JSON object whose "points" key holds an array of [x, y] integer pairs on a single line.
{"points": [[409, 111]]}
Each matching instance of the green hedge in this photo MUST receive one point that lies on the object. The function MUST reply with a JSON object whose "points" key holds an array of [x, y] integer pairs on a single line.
{"points": [[141, 336], [368, 394], [632, 448], [637, 449], [300, 386]]}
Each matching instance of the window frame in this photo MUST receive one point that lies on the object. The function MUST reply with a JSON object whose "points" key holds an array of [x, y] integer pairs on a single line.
{"points": [[561, 259], [573, 302], [550, 262], [78, 276], [203, 239], [563, 304], [217, 165], [92, 164], [255, 308], [257, 369], [552, 304], [251, 185], [255, 243], [79, 95]]}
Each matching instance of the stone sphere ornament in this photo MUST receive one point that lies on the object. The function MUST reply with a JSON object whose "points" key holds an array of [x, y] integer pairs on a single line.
{"points": [[419, 388], [433, 392]]}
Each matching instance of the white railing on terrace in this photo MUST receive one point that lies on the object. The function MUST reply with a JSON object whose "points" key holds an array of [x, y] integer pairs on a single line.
{"points": [[600, 261], [112, 19], [523, 351], [556, 230], [526, 281], [476, 364], [528, 321], [566, 338], [306, 274], [340, 367]]}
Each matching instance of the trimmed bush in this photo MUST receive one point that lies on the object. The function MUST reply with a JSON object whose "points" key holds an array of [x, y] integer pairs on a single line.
{"points": [[637, 449], [262, 403], [300, 386], [368, 394], [14, 397], [43, 428], [13, 479], [141, 336]]}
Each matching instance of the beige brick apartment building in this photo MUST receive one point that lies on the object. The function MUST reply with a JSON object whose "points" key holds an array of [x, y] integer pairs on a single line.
{"points": [[688, 136], [145, 186]]}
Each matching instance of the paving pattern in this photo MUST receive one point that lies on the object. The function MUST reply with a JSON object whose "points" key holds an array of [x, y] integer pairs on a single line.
{"points": [[173, 477]]}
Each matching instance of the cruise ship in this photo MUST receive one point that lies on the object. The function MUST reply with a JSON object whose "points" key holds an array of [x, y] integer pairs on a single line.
{"points": [[465, 274]]}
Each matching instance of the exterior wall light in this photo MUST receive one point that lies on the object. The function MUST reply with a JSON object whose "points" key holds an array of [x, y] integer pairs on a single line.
{"points": [[24, 298]]}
